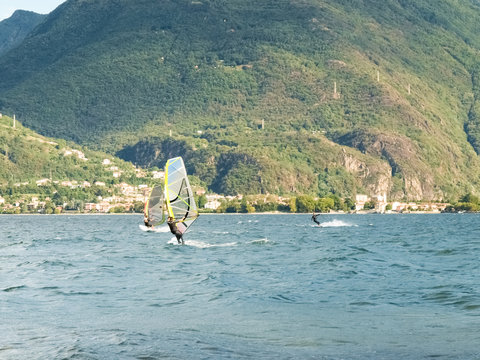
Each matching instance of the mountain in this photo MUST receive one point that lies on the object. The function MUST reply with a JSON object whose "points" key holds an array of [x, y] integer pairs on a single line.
{"points": [[26, 157], [14, 29], [284, 96]]}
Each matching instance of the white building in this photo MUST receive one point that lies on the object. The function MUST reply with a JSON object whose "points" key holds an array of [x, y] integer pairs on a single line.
{"points": [[42, 182], [381, 204], [360, 201], [212, 204]]}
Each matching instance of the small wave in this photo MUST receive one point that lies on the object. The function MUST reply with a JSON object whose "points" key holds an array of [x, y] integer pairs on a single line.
{"points": [[446, 252], [282, 298], [14, 288], [362, 303], [78, 293], [458, 296], [259, 241], [55, 263]]}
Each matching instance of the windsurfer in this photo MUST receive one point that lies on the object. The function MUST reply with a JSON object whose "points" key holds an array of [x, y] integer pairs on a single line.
{"points": [[314, 218], [147, 222], [172, 224]]}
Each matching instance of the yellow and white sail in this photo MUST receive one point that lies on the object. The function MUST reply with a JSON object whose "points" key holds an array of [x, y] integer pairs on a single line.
{"points": [[179, 199]]}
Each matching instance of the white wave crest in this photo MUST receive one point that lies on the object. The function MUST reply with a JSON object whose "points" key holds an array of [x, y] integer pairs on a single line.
{"points": [[161, 229], [200, 244], [336, 223], [259, 241]]}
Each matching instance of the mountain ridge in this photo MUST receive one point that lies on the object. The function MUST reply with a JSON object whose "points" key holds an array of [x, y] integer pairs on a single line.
{"points": [[16, 28]]}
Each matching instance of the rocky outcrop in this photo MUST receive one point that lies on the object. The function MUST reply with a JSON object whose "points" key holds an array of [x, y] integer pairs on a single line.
{"points": [[403, 160]]}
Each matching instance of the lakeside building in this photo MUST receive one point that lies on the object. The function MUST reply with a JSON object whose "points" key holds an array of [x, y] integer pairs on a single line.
{"points": [[360, 201]]}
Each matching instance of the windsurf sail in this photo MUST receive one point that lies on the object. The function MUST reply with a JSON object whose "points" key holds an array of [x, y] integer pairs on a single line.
{"points": [[178, 194], [155, 206]]}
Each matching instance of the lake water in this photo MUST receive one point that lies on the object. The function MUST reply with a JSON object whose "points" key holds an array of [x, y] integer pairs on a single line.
{"points": [[243, 287]]}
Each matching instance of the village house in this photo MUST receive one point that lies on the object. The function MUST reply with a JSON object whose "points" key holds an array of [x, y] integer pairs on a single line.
{"points": [[212, 204], [102, 206], [360, 201], [33, 204], [77, 153], [126, 189], [213, 201], [42, 182], [80, 154], [21, 184], [68, 183], [139, 173], [381, 203], [403, 207], [158, 174]]}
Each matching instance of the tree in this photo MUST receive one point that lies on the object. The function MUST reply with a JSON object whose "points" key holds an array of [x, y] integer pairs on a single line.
{"points": [[369, 205], [138, 206], [469, 198], [246, 207], [305, 203], [49, 207], [293, 204], [202, 200], [325, 204], [349, 204]]}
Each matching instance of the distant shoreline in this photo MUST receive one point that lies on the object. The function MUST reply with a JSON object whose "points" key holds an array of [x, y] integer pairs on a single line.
{"points": [[254, 213]]}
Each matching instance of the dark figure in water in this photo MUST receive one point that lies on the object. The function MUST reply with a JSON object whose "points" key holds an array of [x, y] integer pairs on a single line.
{"points": [[174, 229], [147, 221], [314, 218]]}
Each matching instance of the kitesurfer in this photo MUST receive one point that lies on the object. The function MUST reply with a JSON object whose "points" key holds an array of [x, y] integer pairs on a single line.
{"points": [[314, 218], [172, 224]]}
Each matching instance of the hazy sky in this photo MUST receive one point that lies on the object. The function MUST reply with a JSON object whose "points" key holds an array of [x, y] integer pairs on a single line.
{"points": [[7, 7]]}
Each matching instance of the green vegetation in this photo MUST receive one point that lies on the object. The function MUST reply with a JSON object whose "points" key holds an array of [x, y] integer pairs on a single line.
{"points": [[300, 204], [246, 89], [467, 203], [26, 157]]}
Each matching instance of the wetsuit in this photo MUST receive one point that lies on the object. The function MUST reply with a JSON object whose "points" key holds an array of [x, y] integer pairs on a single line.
{"points": [[174, 229], [314, 219], [147, 222]]}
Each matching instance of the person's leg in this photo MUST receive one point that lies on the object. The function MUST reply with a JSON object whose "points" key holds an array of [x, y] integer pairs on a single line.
{"points": [[178, 234]]}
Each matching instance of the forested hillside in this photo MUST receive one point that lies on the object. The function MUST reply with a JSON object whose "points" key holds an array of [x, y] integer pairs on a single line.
{"points": [[276, 96], [14, 29], [27, 157]]}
